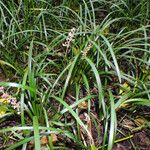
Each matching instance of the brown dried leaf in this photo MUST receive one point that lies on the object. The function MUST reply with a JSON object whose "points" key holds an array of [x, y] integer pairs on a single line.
{"points": [[128, 124], [139, 121], [83, 105], [44, 140]]}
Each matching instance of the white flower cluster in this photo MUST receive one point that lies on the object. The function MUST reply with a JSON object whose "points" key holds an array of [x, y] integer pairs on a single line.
{"points": [[86, 50], [69, 39]]}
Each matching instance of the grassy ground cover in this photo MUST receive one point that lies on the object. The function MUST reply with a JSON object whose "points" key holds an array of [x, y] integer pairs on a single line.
{"points": [[74, 74]]}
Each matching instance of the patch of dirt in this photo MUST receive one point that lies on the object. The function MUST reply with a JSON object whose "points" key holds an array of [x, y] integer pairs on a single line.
{"points": [[7, 139], [139, 141], [129, 127], [2, 76]]}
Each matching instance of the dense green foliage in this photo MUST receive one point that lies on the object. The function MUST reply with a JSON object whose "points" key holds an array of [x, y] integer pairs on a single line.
{"points": [[52, 49]]}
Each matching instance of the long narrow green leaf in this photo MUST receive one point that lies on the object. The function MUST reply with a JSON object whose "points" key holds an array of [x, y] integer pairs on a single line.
{"points": [[138, 101], [17, 85], [36, 133], [61, 74], [47, 125], [77, 103], [99, 85], [113, 121], [73, 114], [14, 146], [22, 98], [8, 64], [113, 56], [69, 75]]}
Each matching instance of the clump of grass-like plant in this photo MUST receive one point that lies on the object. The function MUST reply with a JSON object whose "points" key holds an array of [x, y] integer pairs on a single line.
{"points": [[66, 57]]}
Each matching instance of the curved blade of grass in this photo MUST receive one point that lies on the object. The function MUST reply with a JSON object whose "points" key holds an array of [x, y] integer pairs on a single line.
{"points": [[44, 27], [69, 75], [18, 128], [5, 115], [15, 129], [56, 81], [139, 101], [100, 51], [122, 99], [87, 11], [22, 98], [107, 22], [113, 57], [77, 88], [17, 33], [60, 100], [14, 146], [99, 85], [146, 90], [113, 122], [17, 85], [93, 14], [30, 57], [88, 90], [47, 125], [8, 64], [141, 93], [77, 103]]}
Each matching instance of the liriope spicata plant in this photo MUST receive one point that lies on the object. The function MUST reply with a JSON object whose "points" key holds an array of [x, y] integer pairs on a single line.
{"points": [[55, 62]]}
